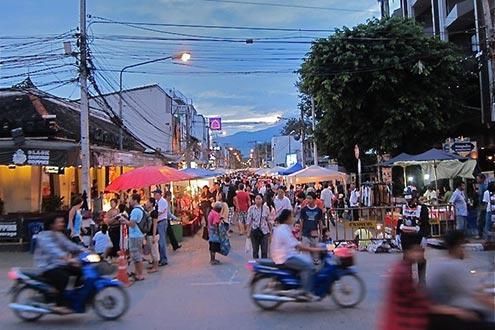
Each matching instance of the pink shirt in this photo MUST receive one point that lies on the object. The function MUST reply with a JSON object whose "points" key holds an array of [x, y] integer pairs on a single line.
{"points": [[213, 218]]}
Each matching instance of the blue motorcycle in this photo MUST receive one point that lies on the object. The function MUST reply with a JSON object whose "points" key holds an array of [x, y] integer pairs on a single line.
{"points": [[272, 284], [33, 297]]}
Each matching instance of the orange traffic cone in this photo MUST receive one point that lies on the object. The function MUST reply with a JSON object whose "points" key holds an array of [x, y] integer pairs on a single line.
{"points": [[122, 270]]}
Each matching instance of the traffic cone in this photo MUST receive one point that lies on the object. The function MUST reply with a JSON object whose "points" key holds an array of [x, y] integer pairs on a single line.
{"points": [[122, 270]]}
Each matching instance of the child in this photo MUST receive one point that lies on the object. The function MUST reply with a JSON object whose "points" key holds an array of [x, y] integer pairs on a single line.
{"points": [[325, 236], [296, 231], [101, 241]]}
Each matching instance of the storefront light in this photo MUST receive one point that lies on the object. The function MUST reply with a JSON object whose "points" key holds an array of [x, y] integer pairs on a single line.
{"points": [[426, 177], [11, 167], [410, 179]]}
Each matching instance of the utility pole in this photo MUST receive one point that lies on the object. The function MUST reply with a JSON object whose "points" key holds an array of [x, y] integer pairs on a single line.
{"points": [[315, 149], [490, 47], [303, 137], [83, 76]]}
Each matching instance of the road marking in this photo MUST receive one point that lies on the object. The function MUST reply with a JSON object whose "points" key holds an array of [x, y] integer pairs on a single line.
{"points": [[216, 283], [233, 276]]}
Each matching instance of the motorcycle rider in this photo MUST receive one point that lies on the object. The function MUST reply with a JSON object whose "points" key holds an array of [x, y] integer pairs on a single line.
{"points": [[53, 256], [285, 250], [411, 227]]}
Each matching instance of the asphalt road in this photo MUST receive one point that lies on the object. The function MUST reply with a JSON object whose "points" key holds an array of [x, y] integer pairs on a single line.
{"points": [[191, 294]]}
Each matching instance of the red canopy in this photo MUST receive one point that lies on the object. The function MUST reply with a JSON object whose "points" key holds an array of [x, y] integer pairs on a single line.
{"points": [[145, 177]]}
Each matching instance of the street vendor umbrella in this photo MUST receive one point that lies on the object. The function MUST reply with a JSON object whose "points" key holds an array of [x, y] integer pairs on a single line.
{"points": [[146, 177], [201, 173], [293, 169]]}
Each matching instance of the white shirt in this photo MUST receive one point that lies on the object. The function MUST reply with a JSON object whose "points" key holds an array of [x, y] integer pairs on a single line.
{"points": [[490, 202], [327, 197], [162, 207], [354, 200], [102, 242], [281, 204], [283, 244]]}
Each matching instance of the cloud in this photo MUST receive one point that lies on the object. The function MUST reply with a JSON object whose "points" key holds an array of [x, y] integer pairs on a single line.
{"points": [[215, 94]]}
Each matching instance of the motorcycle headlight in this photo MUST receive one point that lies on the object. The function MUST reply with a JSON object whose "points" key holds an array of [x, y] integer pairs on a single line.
{"points": [[93, 258]]}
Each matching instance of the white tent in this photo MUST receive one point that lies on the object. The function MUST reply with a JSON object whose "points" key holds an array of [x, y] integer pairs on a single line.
{"points": [[270, 171], [316, 174]]}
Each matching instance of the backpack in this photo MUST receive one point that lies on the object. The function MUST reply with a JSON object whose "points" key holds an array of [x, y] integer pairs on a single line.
{"points": [[146, 222]]}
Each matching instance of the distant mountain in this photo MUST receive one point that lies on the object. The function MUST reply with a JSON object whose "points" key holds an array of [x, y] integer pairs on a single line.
{"points": [[240, 140]]}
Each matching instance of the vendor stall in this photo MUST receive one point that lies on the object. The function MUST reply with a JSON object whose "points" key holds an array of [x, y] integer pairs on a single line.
{"points": [[316, 174]]}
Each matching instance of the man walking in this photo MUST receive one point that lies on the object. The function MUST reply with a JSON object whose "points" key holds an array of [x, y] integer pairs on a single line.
{"points": [[162, 224], [354, 202], [242, 203], [311, 217], [171, 216], [327, 198], [459, 200], [281, 202], [136, 237], [482, 187]]}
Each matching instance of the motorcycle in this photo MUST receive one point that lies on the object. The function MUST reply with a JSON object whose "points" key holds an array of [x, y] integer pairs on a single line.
{"points": [[32, 297], [273, 285]]}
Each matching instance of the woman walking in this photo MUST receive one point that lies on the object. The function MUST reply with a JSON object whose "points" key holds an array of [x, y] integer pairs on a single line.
{"points": [[112, 220], [259, 227], [74, 222], [214, 219]]}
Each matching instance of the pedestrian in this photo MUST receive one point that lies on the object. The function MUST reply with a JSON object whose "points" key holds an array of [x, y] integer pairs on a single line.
{"points": [[406, 305], [112, 220], [461, 211], [224, 213], [489, 201], [300, 200], [152, 237], [482, 209], [74, 223], [452, 287], [311, 218], [214, 220], [271, 207], [242, 202], [354, 202], [205, 203], [170, 216], [291, 194], [136, 237], [101, 241], [162, 224], [327, 197], [410, 227], [259, 227], [281, 201]]}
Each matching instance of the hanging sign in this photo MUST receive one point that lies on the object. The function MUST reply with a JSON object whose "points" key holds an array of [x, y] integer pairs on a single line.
{"points": [[215, 123]]}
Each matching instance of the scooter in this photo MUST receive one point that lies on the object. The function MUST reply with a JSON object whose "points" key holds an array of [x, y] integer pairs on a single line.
{"points": [[32, 297], [273, 285]]}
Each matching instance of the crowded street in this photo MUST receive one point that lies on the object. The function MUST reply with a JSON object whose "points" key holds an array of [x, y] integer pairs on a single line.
{"points": [[234, 164], [189, 293]]}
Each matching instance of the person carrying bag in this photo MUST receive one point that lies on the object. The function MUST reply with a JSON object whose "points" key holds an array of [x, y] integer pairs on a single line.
{"points": [[259, 227]]}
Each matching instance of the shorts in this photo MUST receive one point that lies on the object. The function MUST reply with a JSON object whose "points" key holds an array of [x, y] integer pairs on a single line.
{"points": [[242, 217], [136, 249], [214, 247], [230, 217], [155, 253]]}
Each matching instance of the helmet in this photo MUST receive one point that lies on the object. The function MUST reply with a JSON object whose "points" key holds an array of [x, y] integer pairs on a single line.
{"points": [[410, 193]]}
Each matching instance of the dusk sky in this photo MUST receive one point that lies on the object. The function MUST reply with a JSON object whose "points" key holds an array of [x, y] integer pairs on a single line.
{"points": [[251, 84]]}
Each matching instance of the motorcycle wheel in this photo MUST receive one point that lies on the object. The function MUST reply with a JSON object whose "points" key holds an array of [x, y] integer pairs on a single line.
{"points": [[31, 297], [111, 302], [265, 285], [348, 291]]}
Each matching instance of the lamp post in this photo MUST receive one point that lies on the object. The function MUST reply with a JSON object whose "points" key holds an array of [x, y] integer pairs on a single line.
{"points": [[184, 57]]}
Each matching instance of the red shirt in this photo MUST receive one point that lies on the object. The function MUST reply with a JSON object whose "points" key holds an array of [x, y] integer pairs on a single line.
{"points": [[243, 200], [406, 307]]}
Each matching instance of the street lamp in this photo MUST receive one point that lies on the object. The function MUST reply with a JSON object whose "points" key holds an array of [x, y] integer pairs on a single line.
{"points": [[184, 57]]}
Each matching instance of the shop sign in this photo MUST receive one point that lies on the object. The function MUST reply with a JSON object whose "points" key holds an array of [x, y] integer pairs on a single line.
{"points": [[215, 123], [31, 157], [54, 170], [361, 224], [8, 230]]}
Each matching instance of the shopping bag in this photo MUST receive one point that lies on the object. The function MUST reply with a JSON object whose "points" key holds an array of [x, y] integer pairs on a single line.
{"points": [[205, 234], [248, 246]]}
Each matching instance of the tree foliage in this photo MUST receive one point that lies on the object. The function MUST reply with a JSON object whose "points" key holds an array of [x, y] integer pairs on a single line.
{"points": [[387, 87]]}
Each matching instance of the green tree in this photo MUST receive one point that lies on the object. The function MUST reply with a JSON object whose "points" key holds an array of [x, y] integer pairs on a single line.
{"points": [[387, 87]]}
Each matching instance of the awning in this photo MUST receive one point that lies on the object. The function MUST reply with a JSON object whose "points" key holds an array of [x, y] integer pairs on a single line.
{"points": [[101, 156], [39, 153]]}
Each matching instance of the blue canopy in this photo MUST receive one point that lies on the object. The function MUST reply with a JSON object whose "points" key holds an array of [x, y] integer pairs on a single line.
{"points": [[293, 169], [200, 172]]}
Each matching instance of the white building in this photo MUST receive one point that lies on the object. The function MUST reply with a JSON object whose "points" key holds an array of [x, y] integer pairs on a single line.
{"points": [[286, 150], [146, 113]]}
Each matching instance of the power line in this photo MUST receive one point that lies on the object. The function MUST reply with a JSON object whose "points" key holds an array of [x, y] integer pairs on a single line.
{"points": [[271, 4]]}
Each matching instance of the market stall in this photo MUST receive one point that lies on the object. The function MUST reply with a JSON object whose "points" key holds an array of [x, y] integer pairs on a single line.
{"points": [[316, 173]]}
